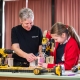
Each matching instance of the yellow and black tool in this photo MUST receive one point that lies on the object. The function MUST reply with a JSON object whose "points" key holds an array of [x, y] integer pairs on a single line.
{"points": [[3, 55], [4, 52], [37, 71], [75, 68], [57, 70]]}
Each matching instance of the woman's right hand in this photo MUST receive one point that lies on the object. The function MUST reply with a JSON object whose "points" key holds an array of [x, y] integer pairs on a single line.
{"points": [[30, 57]]}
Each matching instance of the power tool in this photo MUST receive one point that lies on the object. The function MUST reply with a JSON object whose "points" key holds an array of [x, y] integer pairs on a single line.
{"points": [[3, 55], [47, 43], [75, 68], [57, 70], [44, 44]]}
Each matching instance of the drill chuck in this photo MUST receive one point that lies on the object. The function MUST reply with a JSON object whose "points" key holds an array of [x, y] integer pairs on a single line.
{"points": [[75, 69], [8, 51]]}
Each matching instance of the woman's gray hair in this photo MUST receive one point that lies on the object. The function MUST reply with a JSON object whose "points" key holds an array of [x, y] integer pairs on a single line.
{"points": [[26, 13]]}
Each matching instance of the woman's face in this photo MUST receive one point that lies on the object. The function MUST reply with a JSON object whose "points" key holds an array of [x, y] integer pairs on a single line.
{"points": [[59, 38], [27, 24]]}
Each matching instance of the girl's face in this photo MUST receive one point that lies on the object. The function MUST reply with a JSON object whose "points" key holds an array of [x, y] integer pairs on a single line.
{"points": [[59, 38]]}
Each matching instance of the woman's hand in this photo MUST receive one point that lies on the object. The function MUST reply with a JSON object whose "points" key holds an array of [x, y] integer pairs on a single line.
{"points": [[30, 57]]}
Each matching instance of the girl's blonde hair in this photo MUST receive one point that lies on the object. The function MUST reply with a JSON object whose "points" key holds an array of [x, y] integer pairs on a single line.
{"points": [[59, 28]]}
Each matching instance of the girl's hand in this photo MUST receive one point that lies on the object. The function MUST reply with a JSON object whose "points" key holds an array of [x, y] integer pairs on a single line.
{"points": [[44, 65]]}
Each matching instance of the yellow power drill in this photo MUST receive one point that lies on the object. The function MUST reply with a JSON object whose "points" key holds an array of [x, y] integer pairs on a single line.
{"points": [[57, 70], [3, 55], [76, 68]]}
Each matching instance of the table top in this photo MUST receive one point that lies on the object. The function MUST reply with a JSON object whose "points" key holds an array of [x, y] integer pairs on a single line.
{"points": [[67, 75]]}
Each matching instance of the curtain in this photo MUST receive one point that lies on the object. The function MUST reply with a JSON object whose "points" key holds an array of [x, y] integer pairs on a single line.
{"points": [[11, 18], [67, 11], [42, 13]]}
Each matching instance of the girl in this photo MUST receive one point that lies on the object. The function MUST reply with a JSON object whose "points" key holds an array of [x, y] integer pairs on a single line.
{"points": [[67, 46]]}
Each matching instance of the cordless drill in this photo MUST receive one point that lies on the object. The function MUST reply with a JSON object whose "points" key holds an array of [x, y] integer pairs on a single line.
{"points": [[3, 55], [57, 70]]}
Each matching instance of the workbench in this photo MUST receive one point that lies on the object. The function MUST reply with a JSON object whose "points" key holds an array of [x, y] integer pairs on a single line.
{"points": [[32, 76]]}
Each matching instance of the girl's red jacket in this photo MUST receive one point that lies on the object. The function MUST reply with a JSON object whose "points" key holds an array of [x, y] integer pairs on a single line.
{"points": [[71, 54]]}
